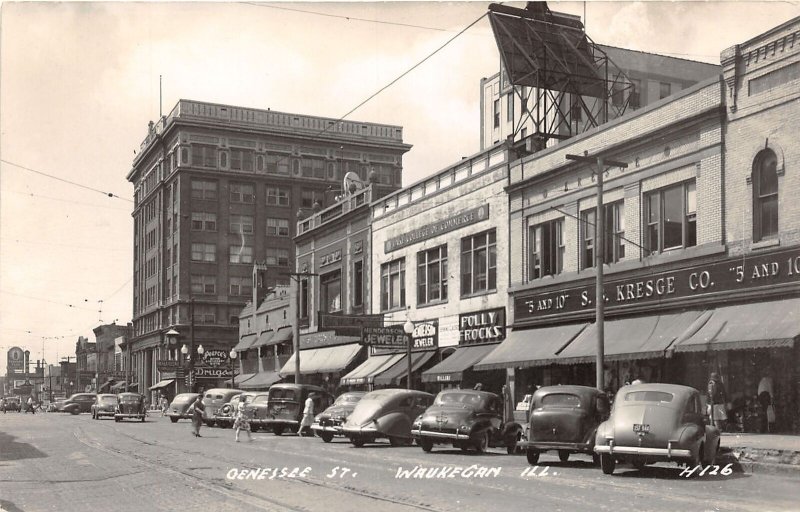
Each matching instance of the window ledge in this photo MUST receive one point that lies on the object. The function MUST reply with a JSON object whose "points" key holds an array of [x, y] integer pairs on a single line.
{"points": [[764, 244], [479, 294], [393, 310], [431, 304]]}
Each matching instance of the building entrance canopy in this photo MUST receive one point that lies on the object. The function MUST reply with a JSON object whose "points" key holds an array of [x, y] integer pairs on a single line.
{"points": [[530, 347], [323, 360], [162, 384], [245, 342], [259, 381], [452, 369], [366, 372], [399, 370], [753, 325]]}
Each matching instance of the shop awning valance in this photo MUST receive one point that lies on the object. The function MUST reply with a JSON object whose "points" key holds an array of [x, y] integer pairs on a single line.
{"points": [[245, 342], [366, 372], [530, 347], [643, 337], [399, 370], [118, 386], [244, 377], [258, 382], [162, 384], [282, 335], [263, 339], [452, 369], [323, 360], [753, 325]]}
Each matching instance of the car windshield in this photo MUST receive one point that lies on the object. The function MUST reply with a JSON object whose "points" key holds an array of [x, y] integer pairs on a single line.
{"points": [[471, 399], [261, 399], [648, 396], [561, 400], [108, 399], [283, 394], [347, 399]]}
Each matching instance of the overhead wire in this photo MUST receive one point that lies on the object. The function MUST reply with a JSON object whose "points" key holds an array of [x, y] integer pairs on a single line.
{"points": [[109, 194]]}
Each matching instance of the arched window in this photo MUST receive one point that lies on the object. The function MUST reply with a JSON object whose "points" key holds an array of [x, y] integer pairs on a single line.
{"points": [[765, 195]]}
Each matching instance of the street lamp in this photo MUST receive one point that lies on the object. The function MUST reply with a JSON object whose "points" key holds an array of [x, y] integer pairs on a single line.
{"points": [[233, 355], [408, 327]]}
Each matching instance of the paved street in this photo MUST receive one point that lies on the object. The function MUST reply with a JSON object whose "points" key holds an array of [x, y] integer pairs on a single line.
{"points": [[72, 463]]}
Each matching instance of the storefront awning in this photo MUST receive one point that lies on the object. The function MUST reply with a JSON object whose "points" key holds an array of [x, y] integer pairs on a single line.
{"points": [[366, 372], [399, 370], [323, 360], [162, 384], [259, 381], [263, 339], [452, 369], [245, 342], [754, 325], [118, 386], [530, 347], [643, 337], [244, 377], [283, 334]]}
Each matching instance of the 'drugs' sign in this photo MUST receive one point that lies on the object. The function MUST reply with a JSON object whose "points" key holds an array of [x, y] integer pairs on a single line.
{"points": [[486, 326]]}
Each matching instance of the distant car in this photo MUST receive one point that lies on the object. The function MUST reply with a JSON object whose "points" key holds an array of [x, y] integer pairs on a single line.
{"points": [[130, 406], [225, 414], [286, 403], [105, 405], [13, 403], [77, 403], [564, 418], [656, 423], [329, 422], [386, 413], [466, 419], [259, 405], [213, 400], [179, 408]]}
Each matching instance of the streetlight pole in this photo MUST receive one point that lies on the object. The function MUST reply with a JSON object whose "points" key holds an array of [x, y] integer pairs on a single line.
{"points": [[599, 298], [233, 355], [408, 328]]}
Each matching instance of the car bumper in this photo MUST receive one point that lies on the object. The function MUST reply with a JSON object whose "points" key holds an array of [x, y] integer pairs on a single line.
{"points": [[361, 432], [316, 427], [100, 414], [180, 416], [662, 453], [270, 421], [129, 415], [456, 436], [554, 445]]}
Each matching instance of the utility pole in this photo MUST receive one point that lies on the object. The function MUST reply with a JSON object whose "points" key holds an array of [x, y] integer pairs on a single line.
{"points": [[599, 246]]}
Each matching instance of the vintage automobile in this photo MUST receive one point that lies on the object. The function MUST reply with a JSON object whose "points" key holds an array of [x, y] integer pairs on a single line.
{"points": [[214, 399], [329, 422], [564, 418], [77, 403], [13, 403], [656, 423], [130, 405], [386, 413], [466, 419], [259, 406], [104, 405], [179, 408], [225, 414], [285, 406]]}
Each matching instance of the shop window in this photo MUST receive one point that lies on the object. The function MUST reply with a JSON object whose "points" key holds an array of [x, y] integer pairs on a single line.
{"points": [[358, 284], [671, 218], [432, 275], [479, 263], [765, 195], [393, 284], [330, 290], [613, 234], [546, 249]]}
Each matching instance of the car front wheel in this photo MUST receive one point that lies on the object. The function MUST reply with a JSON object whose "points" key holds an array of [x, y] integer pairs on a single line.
{"points": [[482, 442], [277, 431], [607, 463], [173, 420], [533, 457], [426, 444], [326, 436], [357, 442], [563, 455]]}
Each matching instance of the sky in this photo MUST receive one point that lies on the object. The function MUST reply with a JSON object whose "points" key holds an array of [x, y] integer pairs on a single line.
{"points": [[80, 81]]}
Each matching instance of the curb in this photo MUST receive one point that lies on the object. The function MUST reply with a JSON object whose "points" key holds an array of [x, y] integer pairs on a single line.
{"points": [[784, 463]]}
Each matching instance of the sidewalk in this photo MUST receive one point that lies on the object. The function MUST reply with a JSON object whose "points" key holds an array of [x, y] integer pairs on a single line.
{"points": [[762, 453]]}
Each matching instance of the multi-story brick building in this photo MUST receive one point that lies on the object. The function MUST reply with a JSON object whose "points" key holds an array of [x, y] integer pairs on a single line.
{"points": [[218, 188]]}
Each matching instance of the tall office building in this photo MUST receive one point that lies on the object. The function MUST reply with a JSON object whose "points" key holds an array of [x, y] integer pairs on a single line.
{"points": [[218, 188]]}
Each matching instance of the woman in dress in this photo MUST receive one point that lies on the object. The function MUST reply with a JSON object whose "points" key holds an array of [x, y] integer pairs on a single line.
{"points": [[197, 415], [242, 421]]}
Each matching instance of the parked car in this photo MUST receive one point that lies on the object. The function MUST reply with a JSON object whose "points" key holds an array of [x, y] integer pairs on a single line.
{"points": [[466, 419], [130, 405], [214, 399], [564, 418], [225, 414], [386, 413], [13, 403], [77, 403], [329, 422], [104, 405], [260, 409], [179, 408], [285, 406], [656, 423]]}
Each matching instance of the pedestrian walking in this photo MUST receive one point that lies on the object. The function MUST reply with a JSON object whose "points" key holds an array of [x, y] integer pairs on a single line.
{"points": [[765, 395], [30, 406], [3, 404], [242, 420], [717, 400], [308, 416], [197, 415], [164, 405]]}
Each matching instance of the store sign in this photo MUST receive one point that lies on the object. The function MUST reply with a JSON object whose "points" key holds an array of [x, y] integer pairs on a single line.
{"points": [[451, 223], [390, 336], [165, 365], [348, 325], [330, 258], [215, 357], [205, 372], [426, 334], [728, 276], [487, 326], [16, 358]]}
